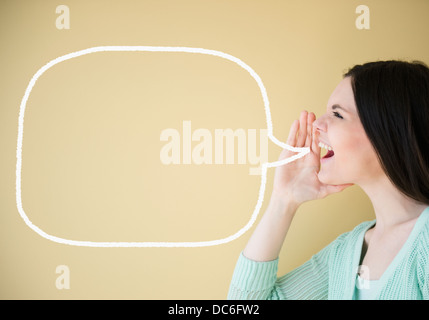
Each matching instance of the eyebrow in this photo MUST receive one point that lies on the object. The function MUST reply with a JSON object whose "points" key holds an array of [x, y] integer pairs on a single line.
{"points": [[337, 106]]}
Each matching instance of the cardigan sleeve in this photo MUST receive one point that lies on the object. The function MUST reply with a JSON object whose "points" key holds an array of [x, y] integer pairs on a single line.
{"points": [[254, 280], [258, 280]]}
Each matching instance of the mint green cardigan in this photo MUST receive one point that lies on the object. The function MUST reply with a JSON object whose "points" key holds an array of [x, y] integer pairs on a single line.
{"points": [[332, 272]]}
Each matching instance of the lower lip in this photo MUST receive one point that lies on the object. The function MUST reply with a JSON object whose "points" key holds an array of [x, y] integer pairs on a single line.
{"points": [[326, 158]]}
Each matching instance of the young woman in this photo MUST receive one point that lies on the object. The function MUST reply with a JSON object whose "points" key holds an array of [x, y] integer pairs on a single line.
{"points": [[375, 131]]}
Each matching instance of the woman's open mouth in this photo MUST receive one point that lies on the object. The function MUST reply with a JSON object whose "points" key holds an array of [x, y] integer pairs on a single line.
{"points": [[330, 153]]}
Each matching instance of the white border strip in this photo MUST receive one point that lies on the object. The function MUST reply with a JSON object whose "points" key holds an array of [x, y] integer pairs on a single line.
{"points": [[301, 151]]}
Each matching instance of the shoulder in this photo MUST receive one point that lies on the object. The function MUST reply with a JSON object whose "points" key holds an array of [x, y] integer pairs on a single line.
{"points": [[347, 241], [352, 236]]}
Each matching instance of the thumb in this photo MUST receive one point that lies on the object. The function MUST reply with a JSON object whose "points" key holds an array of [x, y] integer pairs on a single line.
{"points": [[330, 188]]}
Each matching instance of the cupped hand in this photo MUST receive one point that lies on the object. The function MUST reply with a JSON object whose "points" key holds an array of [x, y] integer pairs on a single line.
{"points": [[298, 180]]}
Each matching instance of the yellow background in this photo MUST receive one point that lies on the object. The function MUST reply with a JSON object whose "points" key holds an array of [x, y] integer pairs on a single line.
{"points": [[91, 167]]}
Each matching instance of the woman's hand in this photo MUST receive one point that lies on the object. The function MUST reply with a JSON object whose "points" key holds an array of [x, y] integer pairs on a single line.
{"points": [[298, 181], [294, 183]]}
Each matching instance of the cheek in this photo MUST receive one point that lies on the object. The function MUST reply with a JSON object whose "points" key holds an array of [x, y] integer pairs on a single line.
{"points": [[356, 157], [352, 149]]}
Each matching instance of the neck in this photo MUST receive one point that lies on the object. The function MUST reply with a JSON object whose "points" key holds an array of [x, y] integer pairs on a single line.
{"points": [[391, 207]]}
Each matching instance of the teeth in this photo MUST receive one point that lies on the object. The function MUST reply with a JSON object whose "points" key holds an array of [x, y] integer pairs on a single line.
{"points": [[322, 145]]}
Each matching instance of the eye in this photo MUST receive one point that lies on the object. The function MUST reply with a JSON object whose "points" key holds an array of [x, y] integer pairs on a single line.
{"points": [[336, 114]]}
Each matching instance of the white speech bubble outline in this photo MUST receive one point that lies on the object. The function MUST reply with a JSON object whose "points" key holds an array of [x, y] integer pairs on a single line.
{"points": [[300, 151]]}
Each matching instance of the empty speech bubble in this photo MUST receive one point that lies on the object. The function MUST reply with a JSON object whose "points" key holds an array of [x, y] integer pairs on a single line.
{"points": [[300, 152]]}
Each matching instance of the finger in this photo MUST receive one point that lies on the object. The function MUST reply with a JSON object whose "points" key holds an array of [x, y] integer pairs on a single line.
{"points": [[302, 134], [310, 119], [291, 140], [315, 142]]}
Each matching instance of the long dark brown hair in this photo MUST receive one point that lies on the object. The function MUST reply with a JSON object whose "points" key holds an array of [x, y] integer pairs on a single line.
{"points": [[392, 99]]}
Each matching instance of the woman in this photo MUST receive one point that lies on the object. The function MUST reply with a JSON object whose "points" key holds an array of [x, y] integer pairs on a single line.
{"points": [[375, 134]]}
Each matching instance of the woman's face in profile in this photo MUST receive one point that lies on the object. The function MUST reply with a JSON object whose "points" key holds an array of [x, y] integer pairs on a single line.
{"points": [[352, 159]]}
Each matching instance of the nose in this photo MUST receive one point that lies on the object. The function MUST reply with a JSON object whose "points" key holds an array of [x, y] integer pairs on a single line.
{"points": [[320, 124]]}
